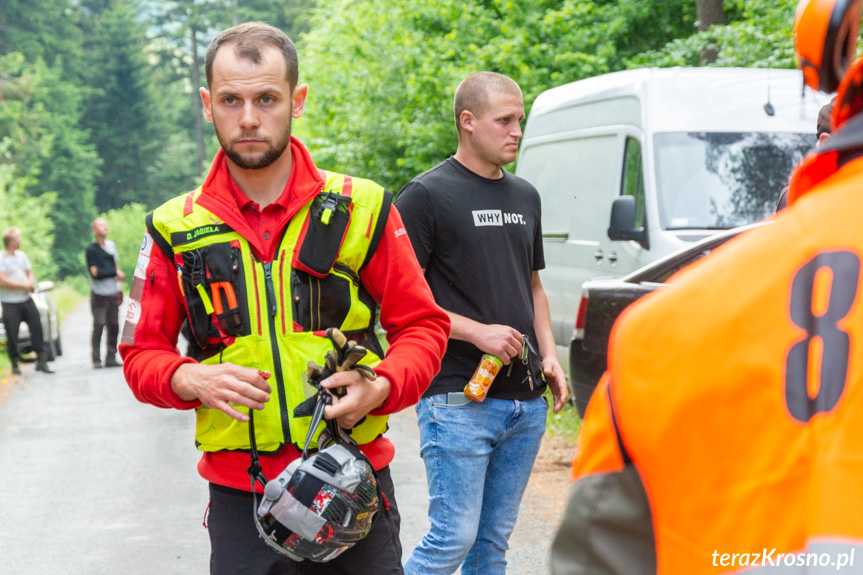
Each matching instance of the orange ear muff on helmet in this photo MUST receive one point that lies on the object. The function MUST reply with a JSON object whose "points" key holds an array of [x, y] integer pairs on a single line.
{"points": [[825, 39], [849, 96]]}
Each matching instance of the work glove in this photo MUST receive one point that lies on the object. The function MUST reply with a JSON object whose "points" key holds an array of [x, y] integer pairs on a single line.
{"points": [[343, 357]]}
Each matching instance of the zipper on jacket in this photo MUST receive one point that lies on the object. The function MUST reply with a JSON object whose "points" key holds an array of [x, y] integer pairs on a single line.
{"points": [[295, 298], [315, 297], [274, 344], [271, 290]]}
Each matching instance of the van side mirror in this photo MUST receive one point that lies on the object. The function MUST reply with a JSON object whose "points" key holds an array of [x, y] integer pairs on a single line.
{"points": [[622, 225]]}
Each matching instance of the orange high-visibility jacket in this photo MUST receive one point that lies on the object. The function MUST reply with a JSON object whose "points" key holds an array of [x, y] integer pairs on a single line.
{"points": [[727, 434]]}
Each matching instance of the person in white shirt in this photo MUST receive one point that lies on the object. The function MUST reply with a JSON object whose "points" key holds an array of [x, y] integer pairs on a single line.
{"points": [[16, 285]]}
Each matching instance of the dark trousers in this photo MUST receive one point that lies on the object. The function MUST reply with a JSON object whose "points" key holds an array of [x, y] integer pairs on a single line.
{"points": [[106, 312], [237, 549], [13, 315]]}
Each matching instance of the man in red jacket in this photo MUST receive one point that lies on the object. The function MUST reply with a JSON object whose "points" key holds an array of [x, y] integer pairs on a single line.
{"points": [[263, 195]]}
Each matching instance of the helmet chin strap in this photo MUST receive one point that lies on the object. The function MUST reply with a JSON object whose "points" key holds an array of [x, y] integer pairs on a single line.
{"points": [[332, 432]]}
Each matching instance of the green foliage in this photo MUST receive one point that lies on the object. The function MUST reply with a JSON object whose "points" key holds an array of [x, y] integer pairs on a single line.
{"points": [[69, 169], [758, 35], [30, 215], [42, 30], [78, 283], [66, 295], [121, 110], [49, 153], [127, 227], [566, 424]]}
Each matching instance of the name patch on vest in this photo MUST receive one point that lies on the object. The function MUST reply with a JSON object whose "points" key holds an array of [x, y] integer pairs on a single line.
{"points": [[182, 238]]}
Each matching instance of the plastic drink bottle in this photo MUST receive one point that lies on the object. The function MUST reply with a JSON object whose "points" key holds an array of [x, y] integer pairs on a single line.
{"points": [[477, 388]]}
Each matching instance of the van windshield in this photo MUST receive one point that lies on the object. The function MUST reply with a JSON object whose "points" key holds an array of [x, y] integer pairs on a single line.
{"points": [[717, 180]]}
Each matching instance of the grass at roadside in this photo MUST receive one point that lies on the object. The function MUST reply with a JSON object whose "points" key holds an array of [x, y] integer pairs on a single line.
{"points": [[565, 424], [66, 295]]}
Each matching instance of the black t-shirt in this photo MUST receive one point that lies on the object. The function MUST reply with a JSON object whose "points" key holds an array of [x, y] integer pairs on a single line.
{"points": [[479, 241]]}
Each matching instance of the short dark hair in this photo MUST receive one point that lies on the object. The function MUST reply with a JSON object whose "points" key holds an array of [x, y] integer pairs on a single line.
{"points": [[474, 91], [248, 39], [824, 115]]}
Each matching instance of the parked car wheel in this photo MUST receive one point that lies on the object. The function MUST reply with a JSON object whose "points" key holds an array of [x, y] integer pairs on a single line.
{"points": [[48, 345]]}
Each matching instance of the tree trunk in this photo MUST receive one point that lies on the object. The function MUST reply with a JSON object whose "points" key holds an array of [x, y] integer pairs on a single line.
{"points": [[709, 13], [196, 102]]}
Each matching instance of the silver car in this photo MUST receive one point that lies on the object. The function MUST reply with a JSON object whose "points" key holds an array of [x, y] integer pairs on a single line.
{"points": [[50, 324]]}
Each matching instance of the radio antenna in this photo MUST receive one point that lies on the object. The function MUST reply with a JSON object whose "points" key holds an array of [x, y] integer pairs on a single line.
{"points": [[768, 107]]}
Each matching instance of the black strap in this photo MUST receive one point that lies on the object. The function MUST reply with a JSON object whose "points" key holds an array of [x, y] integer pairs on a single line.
{"points": [[157, 237], [332, 432], [624, 452], [256, 474], [255, 471]]}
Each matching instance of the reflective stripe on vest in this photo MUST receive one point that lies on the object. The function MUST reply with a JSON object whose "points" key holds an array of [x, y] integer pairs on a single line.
{"points": [[277, 342]]}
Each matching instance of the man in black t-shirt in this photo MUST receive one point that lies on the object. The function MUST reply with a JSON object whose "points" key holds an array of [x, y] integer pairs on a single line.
{"points": [[477, 233]]}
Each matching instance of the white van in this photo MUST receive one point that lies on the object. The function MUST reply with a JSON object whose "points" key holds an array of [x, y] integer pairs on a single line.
{"points": [[634, 165]]}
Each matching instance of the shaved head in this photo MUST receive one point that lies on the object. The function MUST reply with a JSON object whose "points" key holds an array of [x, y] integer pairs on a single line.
{"points": [[475, 92]]}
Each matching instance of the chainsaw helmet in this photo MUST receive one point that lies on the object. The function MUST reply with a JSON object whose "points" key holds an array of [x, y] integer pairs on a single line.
{"points": [[825, 39], [321, 506]]}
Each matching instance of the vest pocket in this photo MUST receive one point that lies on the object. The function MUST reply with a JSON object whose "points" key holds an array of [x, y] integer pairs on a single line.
{"points": [[319, 303], [192, 277], [228, 288], [327, 225], [214, 286]]}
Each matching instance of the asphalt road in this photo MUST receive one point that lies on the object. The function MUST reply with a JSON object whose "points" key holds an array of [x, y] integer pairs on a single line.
{"points": [[95, 483]]}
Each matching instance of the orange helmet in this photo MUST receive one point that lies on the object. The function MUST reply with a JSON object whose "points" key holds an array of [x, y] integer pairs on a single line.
{"points": [[825, 38]]}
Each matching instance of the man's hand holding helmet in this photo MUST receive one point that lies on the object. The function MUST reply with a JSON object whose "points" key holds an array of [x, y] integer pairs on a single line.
{"points": [[361, 396]]}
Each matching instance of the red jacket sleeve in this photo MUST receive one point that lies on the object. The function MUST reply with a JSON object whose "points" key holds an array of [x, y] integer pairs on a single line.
{"points": [[149, 344], [417, 329]]}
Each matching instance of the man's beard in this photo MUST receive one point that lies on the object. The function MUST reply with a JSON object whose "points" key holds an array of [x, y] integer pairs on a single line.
{"points": [[273, 152]]}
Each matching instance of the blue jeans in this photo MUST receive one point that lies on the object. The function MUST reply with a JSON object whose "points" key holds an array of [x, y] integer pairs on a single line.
{"points": [[478, 458]]}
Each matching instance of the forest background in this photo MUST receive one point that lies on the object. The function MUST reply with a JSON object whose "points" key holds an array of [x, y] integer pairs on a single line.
{"points": [[100, 112]]}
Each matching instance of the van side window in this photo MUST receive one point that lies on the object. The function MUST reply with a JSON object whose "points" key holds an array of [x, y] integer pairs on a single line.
{"points": [[632, 183], [577, 179]]}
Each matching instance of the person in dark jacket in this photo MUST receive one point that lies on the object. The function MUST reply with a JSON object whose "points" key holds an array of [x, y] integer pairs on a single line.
{"points": [[106, 293]]}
